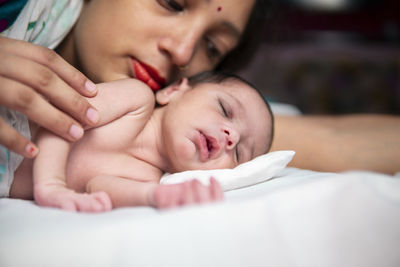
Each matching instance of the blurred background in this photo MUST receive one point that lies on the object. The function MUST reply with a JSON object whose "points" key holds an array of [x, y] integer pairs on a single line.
{"points": [[330, 56]]}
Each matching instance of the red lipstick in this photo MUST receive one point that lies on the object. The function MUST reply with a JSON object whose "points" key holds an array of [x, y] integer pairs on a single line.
{"points": [[148, 75]]}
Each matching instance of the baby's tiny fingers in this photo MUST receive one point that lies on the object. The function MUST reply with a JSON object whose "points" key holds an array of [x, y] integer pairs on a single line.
{"points": [[86, 203], [104, 200], [187, 193], [16, 142], [216, 190], [164, 197], [200, 192], [68, 205]]}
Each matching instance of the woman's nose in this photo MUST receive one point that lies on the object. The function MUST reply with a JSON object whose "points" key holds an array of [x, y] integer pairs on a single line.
{"points": [[232, 138], [179, 46]]}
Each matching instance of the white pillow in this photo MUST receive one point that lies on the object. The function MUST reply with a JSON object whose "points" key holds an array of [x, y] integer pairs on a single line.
{"points": [[257, 170]]}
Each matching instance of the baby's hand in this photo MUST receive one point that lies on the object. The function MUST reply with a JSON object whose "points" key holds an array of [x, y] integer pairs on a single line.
{"points": [[67, 199], [190, 192]]}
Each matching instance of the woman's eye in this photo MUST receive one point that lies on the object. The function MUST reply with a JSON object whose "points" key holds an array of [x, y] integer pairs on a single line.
{"points": [[171, 5], [212, 51]]}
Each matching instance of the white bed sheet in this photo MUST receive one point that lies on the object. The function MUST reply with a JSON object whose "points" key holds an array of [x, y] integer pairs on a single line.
{"points": [[302, 218]]}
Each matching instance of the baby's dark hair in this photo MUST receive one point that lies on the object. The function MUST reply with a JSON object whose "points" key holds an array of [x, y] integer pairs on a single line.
{"points": [[218, 77]]}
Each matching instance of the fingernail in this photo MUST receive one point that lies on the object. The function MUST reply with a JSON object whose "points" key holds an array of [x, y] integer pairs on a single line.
{"points": [[90, 86], [31, 150], [75, 131], [92, 115]]}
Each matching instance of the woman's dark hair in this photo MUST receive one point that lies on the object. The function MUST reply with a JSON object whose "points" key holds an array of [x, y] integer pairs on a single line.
{"points": [[217, 77], [251, 38]]}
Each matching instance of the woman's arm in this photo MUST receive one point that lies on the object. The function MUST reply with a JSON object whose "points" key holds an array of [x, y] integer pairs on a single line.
{"points": [[340, 143]]}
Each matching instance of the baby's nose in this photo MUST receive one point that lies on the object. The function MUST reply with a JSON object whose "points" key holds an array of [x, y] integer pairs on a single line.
{"points": [[232, 138]]}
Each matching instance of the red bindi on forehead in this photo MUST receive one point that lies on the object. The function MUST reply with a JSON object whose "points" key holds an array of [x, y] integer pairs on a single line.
{"points": [[219, 9]]}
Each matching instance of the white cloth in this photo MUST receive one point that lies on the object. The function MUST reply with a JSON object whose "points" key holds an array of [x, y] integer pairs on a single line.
{"points": [[9, 161], [302, 218], [45, 22], [252, 172]]}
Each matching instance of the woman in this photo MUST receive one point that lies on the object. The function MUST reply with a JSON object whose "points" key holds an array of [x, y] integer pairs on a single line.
{"points": [[156, 41]]}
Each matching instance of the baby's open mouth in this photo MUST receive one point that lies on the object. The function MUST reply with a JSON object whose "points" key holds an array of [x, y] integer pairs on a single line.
{"points": [[208, 147]]}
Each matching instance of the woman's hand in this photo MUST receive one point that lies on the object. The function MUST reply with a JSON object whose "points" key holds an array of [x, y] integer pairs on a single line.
{"points": [[37, 82]]}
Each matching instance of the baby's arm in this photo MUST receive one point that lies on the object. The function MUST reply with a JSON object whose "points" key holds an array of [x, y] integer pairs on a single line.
{"points": [[114, 100], [118, 98], [50, 188], [128, 192]]}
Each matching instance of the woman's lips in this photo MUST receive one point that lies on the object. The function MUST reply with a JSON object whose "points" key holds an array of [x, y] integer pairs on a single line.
{"points": [[148, 75]]}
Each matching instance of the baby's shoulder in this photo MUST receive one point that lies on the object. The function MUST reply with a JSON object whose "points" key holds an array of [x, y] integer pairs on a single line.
{"points": [[130, 87], [120, 97]]}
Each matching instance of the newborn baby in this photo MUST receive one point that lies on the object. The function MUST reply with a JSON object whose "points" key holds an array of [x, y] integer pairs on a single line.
{"points": [[209, 121]]}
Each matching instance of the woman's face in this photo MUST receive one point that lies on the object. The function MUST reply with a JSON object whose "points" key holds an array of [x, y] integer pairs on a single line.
{"points": [[156, 41]]}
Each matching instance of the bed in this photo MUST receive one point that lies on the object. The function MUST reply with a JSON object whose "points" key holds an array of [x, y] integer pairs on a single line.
{"points": [[294, 218]]}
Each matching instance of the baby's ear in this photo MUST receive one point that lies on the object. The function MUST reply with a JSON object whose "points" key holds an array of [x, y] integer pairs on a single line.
{"points": [[175, 90]]}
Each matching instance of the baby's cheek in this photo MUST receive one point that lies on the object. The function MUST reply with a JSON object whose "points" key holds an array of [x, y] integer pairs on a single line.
{"points": [[187, 150], [185, 156]]}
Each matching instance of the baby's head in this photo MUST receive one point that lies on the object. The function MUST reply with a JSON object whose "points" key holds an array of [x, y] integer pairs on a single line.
{"points": [[213, 121]]}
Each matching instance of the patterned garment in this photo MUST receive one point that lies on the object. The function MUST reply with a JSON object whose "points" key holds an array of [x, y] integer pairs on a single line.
{"points": [[44, 22], [9, 11], [9, 161]]}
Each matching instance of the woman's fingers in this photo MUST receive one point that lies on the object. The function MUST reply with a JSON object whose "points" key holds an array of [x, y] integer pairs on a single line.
{"points": [[47, 57], [40, 84], [17, 96], [45, 82], [15, 141]]}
